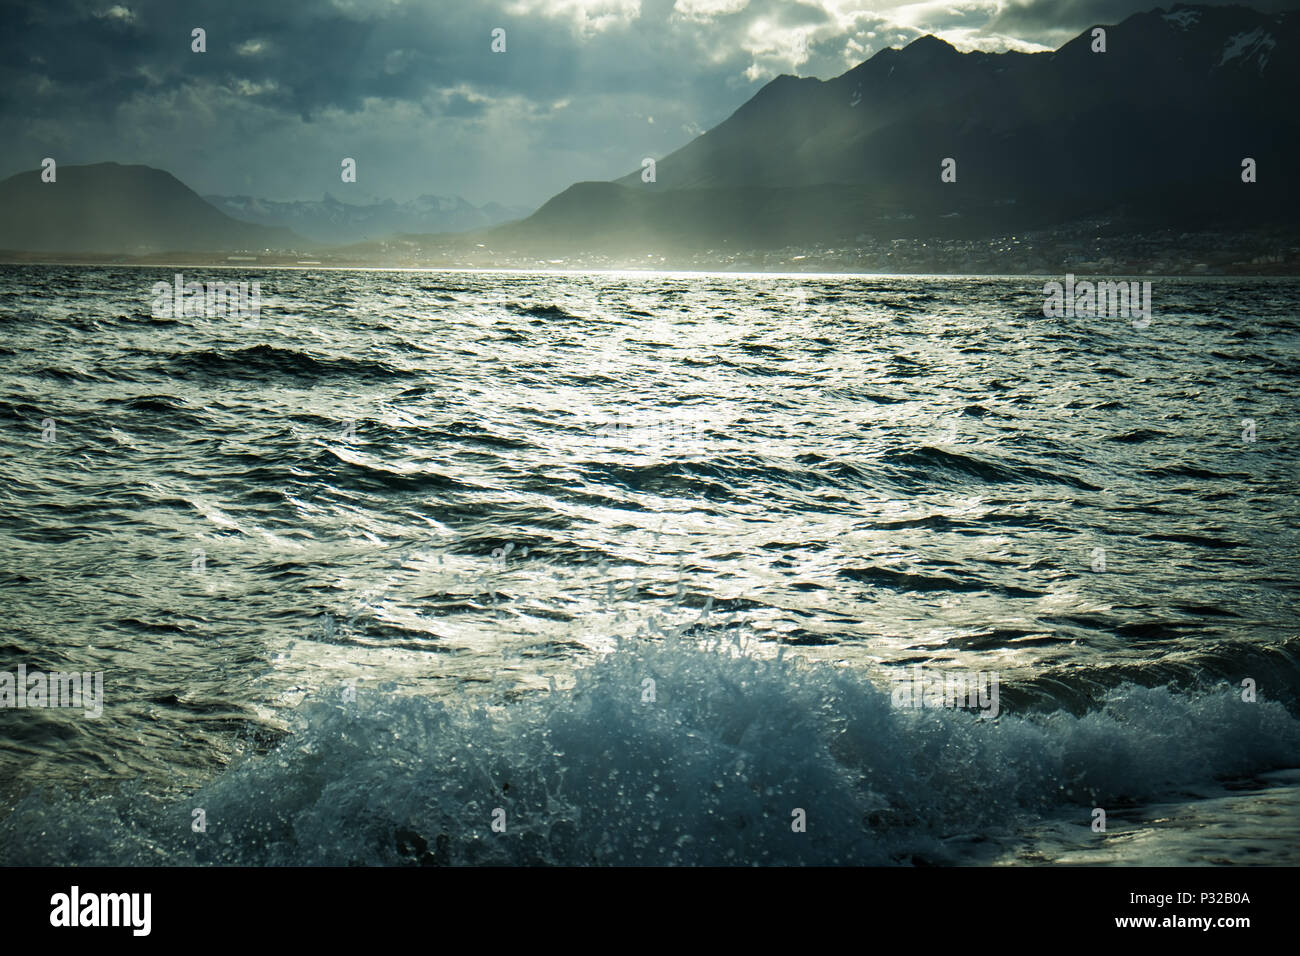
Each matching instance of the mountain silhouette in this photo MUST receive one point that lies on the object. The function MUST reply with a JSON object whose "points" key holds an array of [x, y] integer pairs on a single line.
{"points": [[330, 220], [111, 208], [1152, 131]]}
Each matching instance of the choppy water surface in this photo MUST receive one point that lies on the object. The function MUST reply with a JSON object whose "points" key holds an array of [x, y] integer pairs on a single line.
{"points": [[494, 504]]}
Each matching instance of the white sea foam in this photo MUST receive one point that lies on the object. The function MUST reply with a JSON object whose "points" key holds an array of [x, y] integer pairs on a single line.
{"points": [[710, 770]]}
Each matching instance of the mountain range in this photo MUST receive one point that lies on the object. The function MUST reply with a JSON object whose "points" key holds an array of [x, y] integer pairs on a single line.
{"points": [[138, 210], [1146, 123], [333, 222], [1153, 130]]}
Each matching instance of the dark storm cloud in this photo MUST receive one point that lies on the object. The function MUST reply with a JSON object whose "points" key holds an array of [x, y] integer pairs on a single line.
{"points": [[586, 89], [1075, 15], [307, 56]]}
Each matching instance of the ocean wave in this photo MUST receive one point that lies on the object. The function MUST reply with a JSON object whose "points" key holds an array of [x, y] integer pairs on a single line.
{"points": [[185, 506], [259, 360], [927, 462], [664, 753], [540, 311]]}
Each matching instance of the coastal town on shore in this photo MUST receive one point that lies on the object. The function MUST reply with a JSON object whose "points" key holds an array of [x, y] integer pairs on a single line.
{"points": [[1084, 248]]}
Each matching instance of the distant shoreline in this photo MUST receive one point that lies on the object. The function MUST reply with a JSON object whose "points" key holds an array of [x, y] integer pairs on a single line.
{"points": [[182, 261]]}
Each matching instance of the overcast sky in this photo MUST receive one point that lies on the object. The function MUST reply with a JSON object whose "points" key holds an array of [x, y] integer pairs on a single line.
{"points": [[413, 92]]}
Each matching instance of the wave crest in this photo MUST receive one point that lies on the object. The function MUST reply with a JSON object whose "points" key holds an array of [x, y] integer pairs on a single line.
{"points": [[706, 765]]}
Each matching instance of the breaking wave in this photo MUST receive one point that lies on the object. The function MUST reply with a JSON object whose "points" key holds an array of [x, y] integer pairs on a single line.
{"points": [[664, 753]]}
